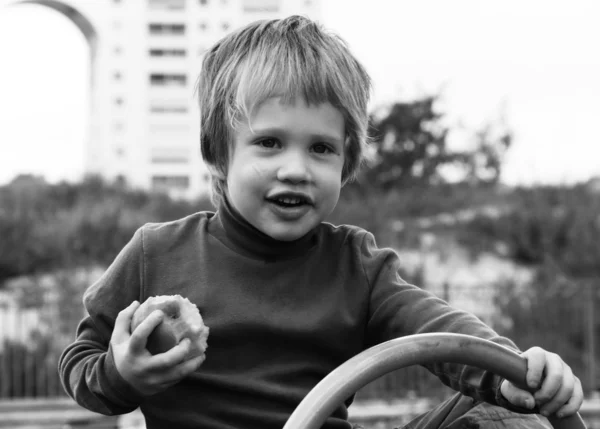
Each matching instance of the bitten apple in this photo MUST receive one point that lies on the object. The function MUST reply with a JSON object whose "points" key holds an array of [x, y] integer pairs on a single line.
{"points": [[181, 320]]}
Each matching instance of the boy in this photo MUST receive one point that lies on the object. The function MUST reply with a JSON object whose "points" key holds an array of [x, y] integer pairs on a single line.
{"points": [[287, 297]]}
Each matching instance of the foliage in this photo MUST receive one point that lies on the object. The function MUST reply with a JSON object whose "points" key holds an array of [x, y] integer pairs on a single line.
{"points": [[410, 148], [47, 227], [552, 224], [553, 312], [557, 231], [377, 211]]}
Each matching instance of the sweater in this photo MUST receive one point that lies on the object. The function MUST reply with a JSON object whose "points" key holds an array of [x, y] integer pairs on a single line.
{"points": [[282, 315]]}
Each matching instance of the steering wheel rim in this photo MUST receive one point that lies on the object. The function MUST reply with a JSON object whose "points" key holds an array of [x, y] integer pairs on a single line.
{"points": [[399, 353]]}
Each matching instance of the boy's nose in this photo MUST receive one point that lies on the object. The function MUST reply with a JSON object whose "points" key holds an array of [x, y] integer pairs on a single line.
{"points": [[293, 169]]}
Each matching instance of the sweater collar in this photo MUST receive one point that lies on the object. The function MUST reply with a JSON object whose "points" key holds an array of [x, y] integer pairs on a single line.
{"points": [[241, 236]]}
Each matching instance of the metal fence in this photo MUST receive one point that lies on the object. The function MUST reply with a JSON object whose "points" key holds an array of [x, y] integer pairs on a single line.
{"points": [[38, 318], [32, 338], [28, 356]]}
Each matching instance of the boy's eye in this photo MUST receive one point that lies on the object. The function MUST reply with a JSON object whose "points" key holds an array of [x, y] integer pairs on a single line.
{"points": [[268, 143], [322, 148]]}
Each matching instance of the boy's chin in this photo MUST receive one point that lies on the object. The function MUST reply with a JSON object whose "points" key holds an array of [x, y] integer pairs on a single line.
{"points": [[288, 234]]}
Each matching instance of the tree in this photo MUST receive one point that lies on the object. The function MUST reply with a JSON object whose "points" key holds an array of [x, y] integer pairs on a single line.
{"points": [[410, 145], [483, 164]]}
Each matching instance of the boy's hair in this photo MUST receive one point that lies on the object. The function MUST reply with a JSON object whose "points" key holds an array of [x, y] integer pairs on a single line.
{"points": [[288, 58]]}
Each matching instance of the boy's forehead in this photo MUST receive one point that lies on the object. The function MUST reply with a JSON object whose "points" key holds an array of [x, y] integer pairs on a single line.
{"points": [[285, 101], [279, 116]]}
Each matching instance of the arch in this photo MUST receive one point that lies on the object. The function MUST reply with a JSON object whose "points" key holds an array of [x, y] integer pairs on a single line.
{"points": [[76, 17], [86, 23]]}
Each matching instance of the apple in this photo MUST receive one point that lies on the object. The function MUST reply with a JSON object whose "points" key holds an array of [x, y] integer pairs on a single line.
{"points": [[181, 320]]}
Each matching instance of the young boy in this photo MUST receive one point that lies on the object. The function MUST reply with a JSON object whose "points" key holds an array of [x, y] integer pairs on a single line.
{"points": [[287, 297]]}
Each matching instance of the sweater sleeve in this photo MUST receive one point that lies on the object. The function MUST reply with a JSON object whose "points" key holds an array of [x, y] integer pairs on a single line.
{"points": [[397, 309], [86, 366]]}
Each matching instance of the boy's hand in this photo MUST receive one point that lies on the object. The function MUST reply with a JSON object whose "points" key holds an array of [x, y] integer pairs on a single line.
{"points": [[146, 373], [555, 388]]}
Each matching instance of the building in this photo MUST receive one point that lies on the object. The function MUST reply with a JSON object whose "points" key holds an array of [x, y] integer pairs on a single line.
{"points": [[145, 57]]}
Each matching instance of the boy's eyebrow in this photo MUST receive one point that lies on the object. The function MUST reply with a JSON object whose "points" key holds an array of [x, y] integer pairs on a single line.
{"points": [[316, 136]]}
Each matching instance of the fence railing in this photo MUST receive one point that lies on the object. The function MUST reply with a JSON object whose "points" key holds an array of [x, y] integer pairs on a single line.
{"points": [[33, 336], [28, 363]]}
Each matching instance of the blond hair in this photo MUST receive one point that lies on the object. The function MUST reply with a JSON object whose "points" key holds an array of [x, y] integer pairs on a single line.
{"points": [[288, 58]]}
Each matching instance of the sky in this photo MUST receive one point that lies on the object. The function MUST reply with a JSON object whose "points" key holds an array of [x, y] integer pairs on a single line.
{"points": [[533, 63]]}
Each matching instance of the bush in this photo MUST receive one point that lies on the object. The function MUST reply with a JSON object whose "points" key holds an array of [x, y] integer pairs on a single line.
{"points": [[48, 227]]}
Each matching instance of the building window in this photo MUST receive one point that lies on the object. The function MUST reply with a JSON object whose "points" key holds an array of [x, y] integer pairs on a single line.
{"points": [[166, 4], [166, 29], [119, 101], [168, 129], [160, 79], [203, 26], [117, 75], [225, 26], [170, 155], [203, 2], [261, 5], [170, 159], [118, 50], [167, 52], [170, 182], [168, 109], [168, 106]]}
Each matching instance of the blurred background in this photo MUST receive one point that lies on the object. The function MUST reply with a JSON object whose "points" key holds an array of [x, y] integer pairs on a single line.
{"points": [[486, 178]]}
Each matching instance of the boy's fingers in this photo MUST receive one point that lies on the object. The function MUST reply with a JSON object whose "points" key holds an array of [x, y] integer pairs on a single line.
{"points": [[139, 336], [563, 395], [536, 361], [192, 365], [554, 375], [516, 396], [123, 322], [174, 356], [185, 368], [574, 403]]}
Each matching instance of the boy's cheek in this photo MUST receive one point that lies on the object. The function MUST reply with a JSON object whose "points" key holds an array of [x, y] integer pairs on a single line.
{"points": [[259, 170]]}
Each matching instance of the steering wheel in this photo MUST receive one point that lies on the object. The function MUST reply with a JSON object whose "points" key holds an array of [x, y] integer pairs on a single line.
{"points": [[371, 364]]}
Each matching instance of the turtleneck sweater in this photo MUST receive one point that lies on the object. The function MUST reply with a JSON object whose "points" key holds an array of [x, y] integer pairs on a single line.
{"points": [[282, 315]]}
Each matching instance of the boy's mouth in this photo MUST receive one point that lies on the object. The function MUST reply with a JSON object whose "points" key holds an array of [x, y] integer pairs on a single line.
{"points": [[290, 200], [290, 206], [287, 202]]}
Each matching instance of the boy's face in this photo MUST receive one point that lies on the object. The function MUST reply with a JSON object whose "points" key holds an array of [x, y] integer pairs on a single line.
{"points": [[285, 171]]}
